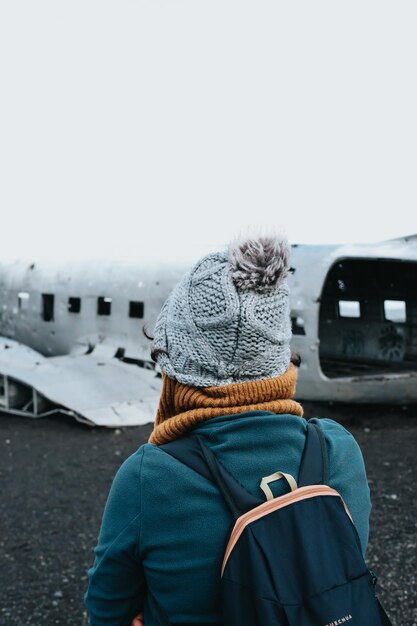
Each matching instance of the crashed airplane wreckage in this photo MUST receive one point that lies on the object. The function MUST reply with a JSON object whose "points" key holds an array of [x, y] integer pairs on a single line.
{"points": [[71, 336]]}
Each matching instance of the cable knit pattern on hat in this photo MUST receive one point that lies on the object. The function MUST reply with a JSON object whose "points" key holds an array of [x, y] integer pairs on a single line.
{"points": [[228, 320]]}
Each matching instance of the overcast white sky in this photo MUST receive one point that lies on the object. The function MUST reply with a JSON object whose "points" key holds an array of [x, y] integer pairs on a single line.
{"points": [[164, 127]]}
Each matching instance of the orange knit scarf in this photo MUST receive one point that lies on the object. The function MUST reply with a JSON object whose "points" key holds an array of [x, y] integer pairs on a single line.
{"points": [[181, 407]]}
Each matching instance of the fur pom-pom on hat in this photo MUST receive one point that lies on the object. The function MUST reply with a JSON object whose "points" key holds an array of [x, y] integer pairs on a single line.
{"points": [[260, 263]]}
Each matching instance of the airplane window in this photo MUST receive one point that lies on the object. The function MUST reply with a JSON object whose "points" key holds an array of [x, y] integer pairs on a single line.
{"points": [[395, 311], [349, 308], [48, 307], [136, 309], [103, 305], [297, 326], [74, 305], [23, 300]]}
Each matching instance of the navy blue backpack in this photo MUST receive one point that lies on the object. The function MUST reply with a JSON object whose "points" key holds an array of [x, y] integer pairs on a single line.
{"points": [[294, 560]]}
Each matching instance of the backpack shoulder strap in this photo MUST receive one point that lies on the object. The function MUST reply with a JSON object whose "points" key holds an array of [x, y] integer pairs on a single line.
{"points": [[314, 468], [192, 452], [187, 451]]}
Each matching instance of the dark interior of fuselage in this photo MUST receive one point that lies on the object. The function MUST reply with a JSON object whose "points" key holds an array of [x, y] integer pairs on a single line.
{"points": [[368, 318]]}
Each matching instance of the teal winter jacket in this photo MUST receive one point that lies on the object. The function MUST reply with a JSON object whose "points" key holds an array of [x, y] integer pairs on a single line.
{"points": [[165, 527]]}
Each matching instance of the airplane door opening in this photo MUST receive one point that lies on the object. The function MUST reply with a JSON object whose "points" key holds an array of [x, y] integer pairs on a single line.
{"points": [[368, 318]]}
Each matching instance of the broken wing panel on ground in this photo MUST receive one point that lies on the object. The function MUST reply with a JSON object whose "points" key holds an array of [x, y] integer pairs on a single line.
{"points": [[95, 389]]}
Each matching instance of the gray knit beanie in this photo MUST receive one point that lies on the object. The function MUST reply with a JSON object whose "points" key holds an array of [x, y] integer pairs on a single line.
{"points": [[228, 320]]}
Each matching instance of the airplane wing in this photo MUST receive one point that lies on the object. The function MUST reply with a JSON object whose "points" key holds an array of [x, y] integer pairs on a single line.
{"points": [[95, 388]]}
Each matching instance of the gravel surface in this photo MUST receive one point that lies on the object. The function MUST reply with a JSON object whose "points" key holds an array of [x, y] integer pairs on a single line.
{"points": [[55, 475]]}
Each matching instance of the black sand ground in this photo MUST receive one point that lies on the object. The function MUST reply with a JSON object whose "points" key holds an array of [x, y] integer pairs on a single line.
{"points": [[55, 475]]}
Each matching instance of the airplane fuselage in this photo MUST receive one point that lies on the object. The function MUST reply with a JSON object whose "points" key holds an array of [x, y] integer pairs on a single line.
{"points": [[354, 314]]}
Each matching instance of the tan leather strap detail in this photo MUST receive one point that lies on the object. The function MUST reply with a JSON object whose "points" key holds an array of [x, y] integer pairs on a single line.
{"points": [[276, 476]]}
